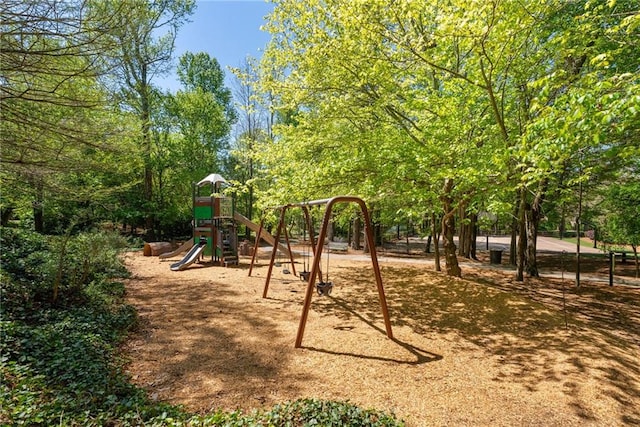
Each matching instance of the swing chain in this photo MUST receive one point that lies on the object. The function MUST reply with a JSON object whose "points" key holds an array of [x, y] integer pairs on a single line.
{"points": [[325, 288], [304, 275]]}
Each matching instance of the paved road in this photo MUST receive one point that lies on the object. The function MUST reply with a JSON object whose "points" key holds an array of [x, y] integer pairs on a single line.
{"points": [[502, 242], [553, 243], [544, 244]]}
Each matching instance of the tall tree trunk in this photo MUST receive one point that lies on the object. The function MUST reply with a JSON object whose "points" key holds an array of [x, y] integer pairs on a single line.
{"points": [[377, 228], [563, 222], [448, 231], [145, 117], [474, 235], [532, 218], [467, 235], [426, 227], [436, 241], [357, 230], [6, 214], [463, 232], [330, 231], [161, 233], [522, 236], [513, 248]]}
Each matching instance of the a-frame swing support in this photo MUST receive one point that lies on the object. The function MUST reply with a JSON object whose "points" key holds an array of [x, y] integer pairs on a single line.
{"points": [[317, 256]]}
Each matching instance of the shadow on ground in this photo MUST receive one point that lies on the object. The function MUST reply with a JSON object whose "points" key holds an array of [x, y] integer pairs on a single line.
{"points": [[540, 332], [202, 332]]}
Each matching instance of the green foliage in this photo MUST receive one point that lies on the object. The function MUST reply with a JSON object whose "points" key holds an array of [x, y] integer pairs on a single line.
{"points": [[57, 362], [314, 412], [392, 100], [27, 271], [200, 71], [512, 103], [299, 413], [32, 264], [622, 225], [189, 139], [94, 257]]}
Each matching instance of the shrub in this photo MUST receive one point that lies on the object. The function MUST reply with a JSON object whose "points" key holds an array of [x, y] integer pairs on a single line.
{"points": [[39, 271], [302, 412], [27, 269], [314, 412], [57, 360]]}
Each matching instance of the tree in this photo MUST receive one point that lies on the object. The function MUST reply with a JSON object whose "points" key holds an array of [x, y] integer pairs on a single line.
{"points": [[622, 222], [55, 119], [203, 111], [456, 95], [189, 137], [251, 129], [584, 118], [439, 75], [142, 51]]}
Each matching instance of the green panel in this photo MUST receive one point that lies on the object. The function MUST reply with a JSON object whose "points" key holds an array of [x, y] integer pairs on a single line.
{"points": [[203, 212], [208, 249]]}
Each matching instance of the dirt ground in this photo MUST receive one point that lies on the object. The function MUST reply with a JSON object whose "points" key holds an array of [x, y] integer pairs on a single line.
{"points": [[477, 351]]}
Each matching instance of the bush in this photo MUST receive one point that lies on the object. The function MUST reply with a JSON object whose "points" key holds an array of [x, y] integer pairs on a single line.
{"points": [[57, 361], [302, 412], [34, 265], [27, 268], [313, 412]]}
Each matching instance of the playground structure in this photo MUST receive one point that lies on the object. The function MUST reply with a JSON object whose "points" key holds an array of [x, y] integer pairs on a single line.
{"points": [[214, 228], [322, 287], [215, 223]]}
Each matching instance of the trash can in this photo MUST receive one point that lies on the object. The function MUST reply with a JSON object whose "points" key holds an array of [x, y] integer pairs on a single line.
{"points": [[495, 256]]}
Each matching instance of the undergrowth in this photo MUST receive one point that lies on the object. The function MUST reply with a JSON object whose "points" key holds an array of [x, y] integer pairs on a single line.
{"points": [[58, 358]]}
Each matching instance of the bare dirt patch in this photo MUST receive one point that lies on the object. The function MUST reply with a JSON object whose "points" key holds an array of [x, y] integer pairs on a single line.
{"points": [[475, 351]]}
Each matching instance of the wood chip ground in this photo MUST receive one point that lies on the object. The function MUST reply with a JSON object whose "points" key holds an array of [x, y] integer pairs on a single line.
{"points": [[477, 351]]}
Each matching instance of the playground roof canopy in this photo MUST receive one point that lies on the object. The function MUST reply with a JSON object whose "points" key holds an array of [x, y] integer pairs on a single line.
{"points": [[212, 179]]}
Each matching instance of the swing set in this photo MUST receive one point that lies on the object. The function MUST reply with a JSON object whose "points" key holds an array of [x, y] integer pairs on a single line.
{"points": [[322, 287]]}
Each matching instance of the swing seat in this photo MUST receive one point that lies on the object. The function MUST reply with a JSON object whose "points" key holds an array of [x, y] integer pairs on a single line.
{"points": [[304, 276], [285, 271], [324, 288]]}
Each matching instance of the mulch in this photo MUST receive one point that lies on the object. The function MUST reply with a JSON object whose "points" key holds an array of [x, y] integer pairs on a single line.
{"points": [[479, 351]]}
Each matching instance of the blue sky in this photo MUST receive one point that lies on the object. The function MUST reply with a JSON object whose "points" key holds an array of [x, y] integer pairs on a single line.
{"points": [[227, 30]]}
